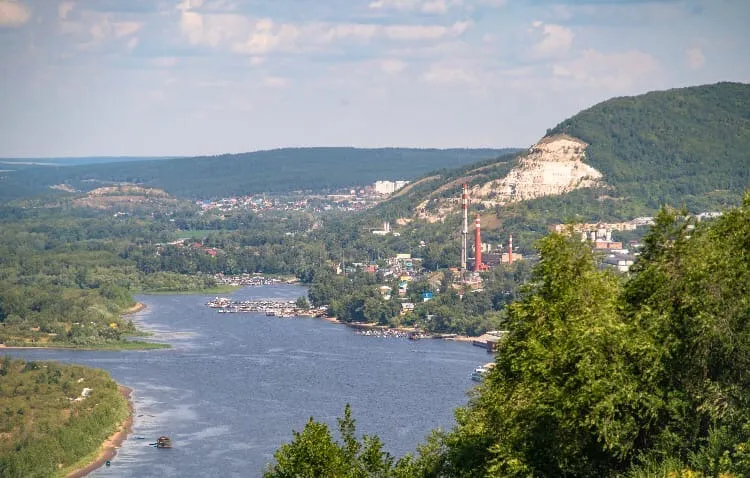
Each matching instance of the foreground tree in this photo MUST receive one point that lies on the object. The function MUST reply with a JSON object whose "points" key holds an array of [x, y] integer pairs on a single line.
{"points": [[314, 453], [599, 379]]}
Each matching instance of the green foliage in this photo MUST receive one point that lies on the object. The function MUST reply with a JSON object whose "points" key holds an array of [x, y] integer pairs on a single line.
{"points": [[47, 425], [603, 378], [677, 147], [314, 453], [355, 298]]}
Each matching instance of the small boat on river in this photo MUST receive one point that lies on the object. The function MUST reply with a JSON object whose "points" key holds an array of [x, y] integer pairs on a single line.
{"points": [[479, 373], [163, 442]]}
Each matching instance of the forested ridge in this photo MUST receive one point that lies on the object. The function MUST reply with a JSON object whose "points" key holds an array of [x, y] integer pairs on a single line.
{"points": [[680, 146], [273, 171], [684, 147], [599, 376], [52, 416]]}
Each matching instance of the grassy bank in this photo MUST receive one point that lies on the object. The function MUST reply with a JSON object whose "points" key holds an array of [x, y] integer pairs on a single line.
{"points": [[59, 416], [124, 345], [223, 289]]}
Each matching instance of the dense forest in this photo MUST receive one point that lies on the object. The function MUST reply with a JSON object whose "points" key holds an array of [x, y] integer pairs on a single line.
{"points": [[54, 416], [275, 171], [686, 146], [599, 376], [65, 279]]}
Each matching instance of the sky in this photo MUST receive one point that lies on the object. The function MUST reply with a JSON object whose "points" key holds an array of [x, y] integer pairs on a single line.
{"points": [[191, 77]]}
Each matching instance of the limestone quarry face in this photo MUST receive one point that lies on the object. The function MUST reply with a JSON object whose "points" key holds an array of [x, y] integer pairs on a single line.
{"points": [[553, 166]]}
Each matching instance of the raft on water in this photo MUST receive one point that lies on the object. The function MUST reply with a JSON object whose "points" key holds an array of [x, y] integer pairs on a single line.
{"points": [[164, 442]]}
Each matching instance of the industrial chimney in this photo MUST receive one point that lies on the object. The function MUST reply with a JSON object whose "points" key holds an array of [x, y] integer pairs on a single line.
{"points": [[510, 249], [477, 245], [465, 230]]}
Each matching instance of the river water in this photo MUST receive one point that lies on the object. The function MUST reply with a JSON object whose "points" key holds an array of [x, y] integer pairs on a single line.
{"points": [[234, 386]]}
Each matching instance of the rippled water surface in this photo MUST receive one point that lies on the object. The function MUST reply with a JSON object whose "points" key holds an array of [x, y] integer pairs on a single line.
{"points": [[234, 386]]}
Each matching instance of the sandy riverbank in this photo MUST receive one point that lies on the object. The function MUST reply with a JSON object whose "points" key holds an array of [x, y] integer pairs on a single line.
{"points": [[109, 448], [139, 306]]}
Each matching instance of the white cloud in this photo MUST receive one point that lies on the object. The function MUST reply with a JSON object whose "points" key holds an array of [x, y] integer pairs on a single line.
{"points": [[450, 75], [64, 9], [436, 7], [326, 33], [186, 5], [101, 28], [556, 40], [164, 62], [612, 71], [123, 29], [260, 36], [425, 6], [695, 58], [266, 36], [13, 13], [91, 28], [424, 32], [392, 66], [275, 82]]}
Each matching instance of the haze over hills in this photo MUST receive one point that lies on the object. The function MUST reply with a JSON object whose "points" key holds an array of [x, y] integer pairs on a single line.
{"points": [[273, 171], [616, 160], [74, 161]]}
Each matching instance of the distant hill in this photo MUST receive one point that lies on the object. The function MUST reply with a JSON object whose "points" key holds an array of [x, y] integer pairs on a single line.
{"points": [[74, 161], [619, 159], [676, 146], [275, 171]]}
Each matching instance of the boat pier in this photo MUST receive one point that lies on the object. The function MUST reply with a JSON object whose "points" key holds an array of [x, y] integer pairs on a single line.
{"points": [[270, 307]]}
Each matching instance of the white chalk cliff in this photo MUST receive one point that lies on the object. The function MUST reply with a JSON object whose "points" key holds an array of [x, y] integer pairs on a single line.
{"points": [[553, 166]]}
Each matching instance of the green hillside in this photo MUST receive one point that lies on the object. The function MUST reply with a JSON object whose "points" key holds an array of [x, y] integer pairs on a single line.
{"points": [[275, 171], [684, 147]]}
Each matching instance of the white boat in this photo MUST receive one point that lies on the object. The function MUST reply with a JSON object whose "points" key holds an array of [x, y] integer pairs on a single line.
{"points": [[480, 373]]}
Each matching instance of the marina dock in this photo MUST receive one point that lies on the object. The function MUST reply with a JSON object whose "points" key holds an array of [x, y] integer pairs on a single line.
{"points": [[270, 307]]}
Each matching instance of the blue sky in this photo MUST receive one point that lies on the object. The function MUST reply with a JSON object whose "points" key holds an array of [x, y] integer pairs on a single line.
{"points": [[185, 77]]}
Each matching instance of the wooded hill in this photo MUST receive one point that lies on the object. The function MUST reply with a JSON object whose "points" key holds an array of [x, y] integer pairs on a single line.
{"points": [[684, 147], [275, 171]]}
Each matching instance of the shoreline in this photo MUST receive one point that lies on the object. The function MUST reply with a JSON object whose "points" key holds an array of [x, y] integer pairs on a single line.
{"points": [[109, 448], [75, 348], [139, 306], [357, 325]]}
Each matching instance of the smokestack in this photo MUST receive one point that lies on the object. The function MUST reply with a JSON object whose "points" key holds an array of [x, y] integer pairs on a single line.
{"points": [[510, 249], [465, 230], [477, 245]]}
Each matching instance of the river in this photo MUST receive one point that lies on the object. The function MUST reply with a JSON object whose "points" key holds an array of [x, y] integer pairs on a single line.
{"points": [[234, 386]]}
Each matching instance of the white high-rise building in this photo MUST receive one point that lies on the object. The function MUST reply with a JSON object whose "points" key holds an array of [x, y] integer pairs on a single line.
{"points": [[385, 187], [389, 187]]}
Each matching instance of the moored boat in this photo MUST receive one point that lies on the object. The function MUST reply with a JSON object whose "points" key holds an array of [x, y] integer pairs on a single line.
{"points": [[164, 442], [480, 373]]}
